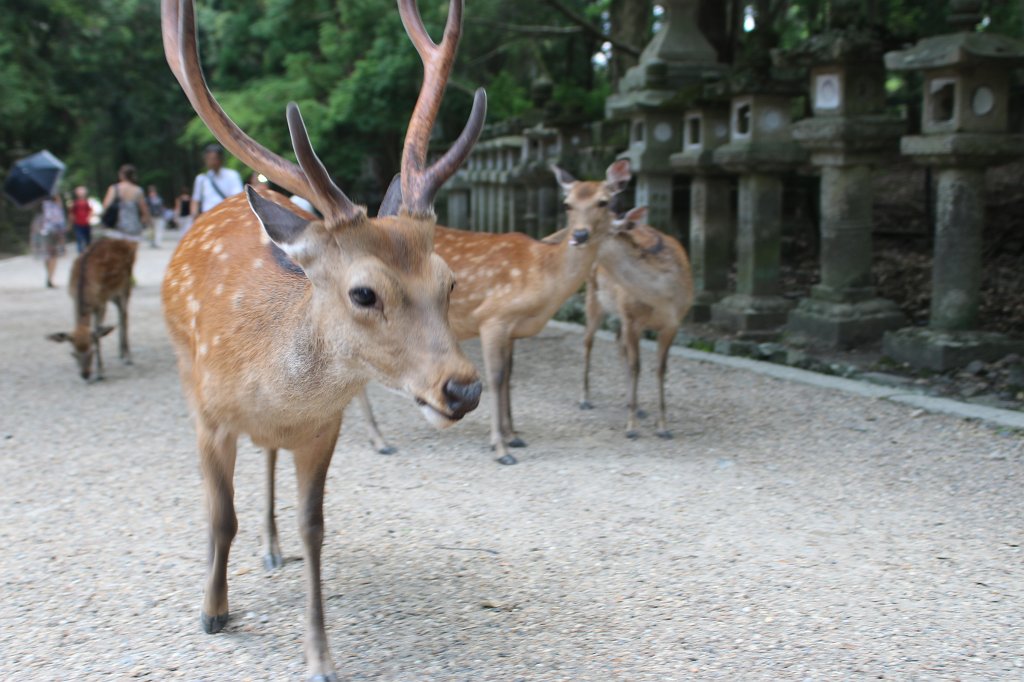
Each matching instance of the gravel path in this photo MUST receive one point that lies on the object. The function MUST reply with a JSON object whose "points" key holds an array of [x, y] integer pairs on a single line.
{"points": [[788, 532]]}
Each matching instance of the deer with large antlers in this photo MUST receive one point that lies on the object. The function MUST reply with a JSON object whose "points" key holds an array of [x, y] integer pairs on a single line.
{"points": [[278, 321], [511, 285], [643, 277]]}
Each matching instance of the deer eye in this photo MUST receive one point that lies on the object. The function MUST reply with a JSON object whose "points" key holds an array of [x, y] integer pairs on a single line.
{"points": [[567, 206], [602, 204], [363, 297], [452, 287]]}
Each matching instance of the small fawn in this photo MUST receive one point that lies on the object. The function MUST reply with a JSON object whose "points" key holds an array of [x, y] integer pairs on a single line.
{"points": [[279, 321], [103, 273], [642, 276]]}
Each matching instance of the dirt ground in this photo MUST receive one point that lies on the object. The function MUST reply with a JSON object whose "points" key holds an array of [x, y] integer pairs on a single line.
{"points": [[787, 532]]}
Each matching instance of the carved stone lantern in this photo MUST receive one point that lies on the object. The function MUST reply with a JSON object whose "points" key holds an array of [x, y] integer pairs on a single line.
{"points": [[679, 57], [705, 129], [848, 136], [760, 151], [964, 129]]}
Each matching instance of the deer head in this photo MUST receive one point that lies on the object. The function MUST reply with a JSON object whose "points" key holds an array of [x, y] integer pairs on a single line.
{"points": [[379, 294], [586, 203], [83, 345]]}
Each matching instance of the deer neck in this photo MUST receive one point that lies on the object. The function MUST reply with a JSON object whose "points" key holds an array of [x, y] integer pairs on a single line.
{"points": [[569, 266]]}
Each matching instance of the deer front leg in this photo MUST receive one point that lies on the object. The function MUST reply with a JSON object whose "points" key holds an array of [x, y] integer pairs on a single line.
{"points": [[508, 431], [272, 558], [376, 439], [97, 324], [311, 464], [494, 344], [122, 328], [631, 350], [665, 339], [595, 316], [217, 450]]}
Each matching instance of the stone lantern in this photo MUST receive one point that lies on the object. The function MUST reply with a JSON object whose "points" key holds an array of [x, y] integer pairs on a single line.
{"points": [[760, 151], [964, 129], [677, 58], [848, 135], [705, 129]]}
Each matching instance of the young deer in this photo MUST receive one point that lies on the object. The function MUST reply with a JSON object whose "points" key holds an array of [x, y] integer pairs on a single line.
{"points": [[279, 321], [101, 274], [642, 276], [511, 285]]}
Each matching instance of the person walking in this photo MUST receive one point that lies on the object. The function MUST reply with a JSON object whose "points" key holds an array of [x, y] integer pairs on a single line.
{"points": [[81, 215], [183, 211], [156, 211], [48, 229], [132, 213], [216, 184]]}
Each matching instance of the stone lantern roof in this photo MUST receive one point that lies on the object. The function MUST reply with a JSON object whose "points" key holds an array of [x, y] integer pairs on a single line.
{"points": [[957, 49]]}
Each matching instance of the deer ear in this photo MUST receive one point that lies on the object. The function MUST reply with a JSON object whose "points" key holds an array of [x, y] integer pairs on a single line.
{"points": [[631, 219], [281, 225], [392, 202], [564, 178], [59, 337], [101, 332], [617, 176]]}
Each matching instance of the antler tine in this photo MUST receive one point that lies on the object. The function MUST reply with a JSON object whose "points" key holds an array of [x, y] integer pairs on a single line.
{"points": [[337, 204], [447, 165], [418, 182]]}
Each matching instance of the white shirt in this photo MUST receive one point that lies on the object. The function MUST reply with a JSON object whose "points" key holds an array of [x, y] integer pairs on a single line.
{"points": [[229, 183]]}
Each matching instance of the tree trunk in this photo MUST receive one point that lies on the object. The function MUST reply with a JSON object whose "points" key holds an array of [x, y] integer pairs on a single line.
{"points": [[713, 21], [631, 24]]}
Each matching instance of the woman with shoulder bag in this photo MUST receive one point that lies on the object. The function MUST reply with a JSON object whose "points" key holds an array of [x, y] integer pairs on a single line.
{"points": [[132, 213]]}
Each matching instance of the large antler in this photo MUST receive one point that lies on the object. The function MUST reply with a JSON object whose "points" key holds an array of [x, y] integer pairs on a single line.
{"points": [[420, 183], [309, 179]]}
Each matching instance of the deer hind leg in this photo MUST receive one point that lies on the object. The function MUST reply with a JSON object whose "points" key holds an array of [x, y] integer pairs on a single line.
{"points": [[631, 350], [272, 557], [665, 338], [122, 328], [376, 439], [495, 345], [311, 464], [508, 431], [595, 316], [217, 449]]}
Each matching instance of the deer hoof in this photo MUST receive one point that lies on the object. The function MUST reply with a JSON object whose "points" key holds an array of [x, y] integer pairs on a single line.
{"points": [[213, 624], [128, 361], [632, 434], [329, 677], [507, 460], [666, 435], [272, 562], [641, 414], [517, 442], [387, 450], [586, 405]]}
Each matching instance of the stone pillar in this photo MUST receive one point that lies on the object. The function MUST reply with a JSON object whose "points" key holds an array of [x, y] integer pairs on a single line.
{"points": [[956, 270], [711, 232], [756, 309], [843, 310], [655, 192]]}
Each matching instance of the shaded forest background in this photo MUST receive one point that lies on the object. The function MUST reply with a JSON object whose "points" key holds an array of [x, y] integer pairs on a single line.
{"points": [[89, 82]]}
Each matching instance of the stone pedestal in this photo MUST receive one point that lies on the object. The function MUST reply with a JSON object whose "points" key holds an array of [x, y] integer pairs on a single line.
{"points": [[711, 234], [756, 309]]}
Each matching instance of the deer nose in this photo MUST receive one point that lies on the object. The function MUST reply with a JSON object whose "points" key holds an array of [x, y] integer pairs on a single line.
{"points": [[462, 397], [579, 237]]}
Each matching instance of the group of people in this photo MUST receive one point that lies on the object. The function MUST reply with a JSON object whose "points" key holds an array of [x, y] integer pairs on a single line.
{"points": [[127, 210]]}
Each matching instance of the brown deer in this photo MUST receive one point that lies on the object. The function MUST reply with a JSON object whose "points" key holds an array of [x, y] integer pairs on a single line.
{"points": [[102, 274], [511, 285], [642, 276], [279, 321]]}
